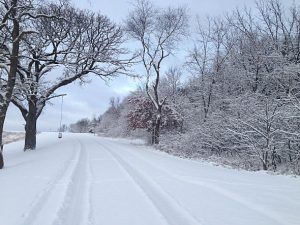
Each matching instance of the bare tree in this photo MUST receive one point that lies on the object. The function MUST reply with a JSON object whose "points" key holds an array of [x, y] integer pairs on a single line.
{"points": [[158, 31], [81, 44], [207, 59], [171, 83], [8, 15], [255, 129], [14, 18]]}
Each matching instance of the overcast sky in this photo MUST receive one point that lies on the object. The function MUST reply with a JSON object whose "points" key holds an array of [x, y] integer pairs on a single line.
{"points": [[92, 99]]}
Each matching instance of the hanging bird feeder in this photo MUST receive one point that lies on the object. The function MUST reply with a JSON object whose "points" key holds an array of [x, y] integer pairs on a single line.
{"points": [[61, 107]]}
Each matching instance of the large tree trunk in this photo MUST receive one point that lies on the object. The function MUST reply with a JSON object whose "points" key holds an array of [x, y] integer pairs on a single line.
{"points": [[265, 161], [1, 147], [2, 119], [156, 130], [1, 158], [14, 60], [30, 127], [265, 167]]}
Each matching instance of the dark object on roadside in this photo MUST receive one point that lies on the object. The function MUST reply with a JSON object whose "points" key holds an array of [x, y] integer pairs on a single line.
{"points": [[1, 157], [60, 135], [91, 131]]}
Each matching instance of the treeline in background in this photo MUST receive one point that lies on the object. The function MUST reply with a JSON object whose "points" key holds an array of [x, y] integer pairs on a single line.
{"points": [[236, 100]]}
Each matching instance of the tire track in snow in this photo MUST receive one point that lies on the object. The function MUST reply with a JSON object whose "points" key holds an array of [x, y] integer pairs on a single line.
{"points": [[76, 207], [55, 205], [36, 206], [166, 205], [222, 191]]}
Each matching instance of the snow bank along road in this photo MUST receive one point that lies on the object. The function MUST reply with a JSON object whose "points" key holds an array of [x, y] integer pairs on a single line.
{"points": [[87, 180]]}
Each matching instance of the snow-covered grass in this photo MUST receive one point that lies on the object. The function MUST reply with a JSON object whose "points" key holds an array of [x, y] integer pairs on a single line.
{"points": [[9, 137], [125, 140], [85, 179]]}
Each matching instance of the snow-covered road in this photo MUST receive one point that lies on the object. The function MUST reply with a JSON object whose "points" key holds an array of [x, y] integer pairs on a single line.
{"points": [[87, 180]]}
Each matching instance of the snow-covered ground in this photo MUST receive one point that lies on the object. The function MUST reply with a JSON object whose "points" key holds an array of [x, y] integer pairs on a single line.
{"points": [[88, 180], [9, 137]]}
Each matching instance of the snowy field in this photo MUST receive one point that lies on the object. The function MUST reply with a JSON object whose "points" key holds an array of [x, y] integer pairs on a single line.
{"points": [[9, 137], [87, 180]]}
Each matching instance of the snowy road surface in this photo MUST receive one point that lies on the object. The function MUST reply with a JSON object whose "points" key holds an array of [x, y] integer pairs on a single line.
{"points": [[87, 180]]}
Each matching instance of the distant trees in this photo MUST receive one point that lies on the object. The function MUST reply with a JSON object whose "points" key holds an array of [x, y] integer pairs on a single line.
{"points": [[81, 126], [63, 128], [158, 32], [206, 61], [109, 120], [241, 103], [171, 83]]}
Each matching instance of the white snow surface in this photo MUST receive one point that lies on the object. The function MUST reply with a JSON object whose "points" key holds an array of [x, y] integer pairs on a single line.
{"points": [[9, 137], [82, 179]]}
